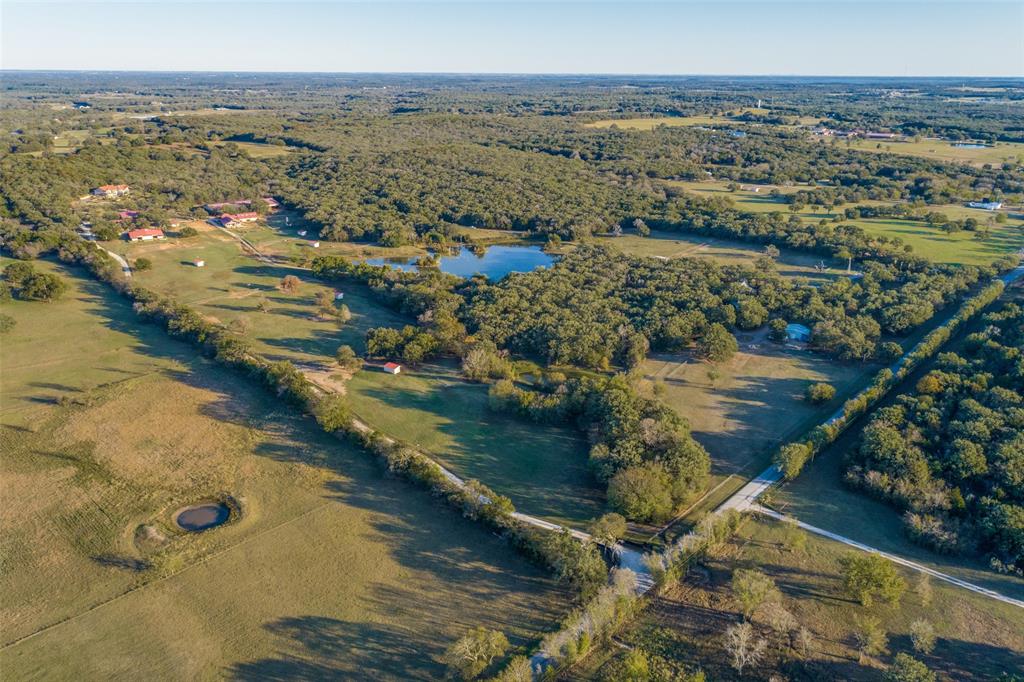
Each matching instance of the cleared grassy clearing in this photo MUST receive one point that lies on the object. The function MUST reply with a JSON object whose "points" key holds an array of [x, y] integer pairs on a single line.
{"points": [[232, 285], [543, 469], [941, 150], [977, 637], [650, 123], [70, 140], [963, 247], [755, 403], [260, 150], [723, 251], [89, 353], [931, 242], [333, 570]]}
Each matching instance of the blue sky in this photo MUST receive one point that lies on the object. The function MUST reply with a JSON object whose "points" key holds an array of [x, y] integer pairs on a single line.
{"points": [[927, 38]]}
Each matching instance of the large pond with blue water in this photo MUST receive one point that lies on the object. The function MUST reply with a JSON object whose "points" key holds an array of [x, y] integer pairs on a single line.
{"points": [[495, 262]]}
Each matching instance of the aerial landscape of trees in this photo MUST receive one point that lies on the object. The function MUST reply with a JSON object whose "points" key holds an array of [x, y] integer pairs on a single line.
{"points": [[591, 348], [951, 454]]}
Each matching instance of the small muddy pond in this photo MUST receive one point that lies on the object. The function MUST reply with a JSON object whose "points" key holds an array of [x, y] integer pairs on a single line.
{"points": [[495, 263], [202, 516]]}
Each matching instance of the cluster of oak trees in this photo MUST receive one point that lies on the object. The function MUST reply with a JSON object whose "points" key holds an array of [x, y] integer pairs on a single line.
{"points": [[640, 448], [596, 308], [952, 453]]}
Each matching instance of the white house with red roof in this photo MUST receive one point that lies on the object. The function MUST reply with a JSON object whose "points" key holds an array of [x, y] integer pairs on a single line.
{"points": [[392, 367]]}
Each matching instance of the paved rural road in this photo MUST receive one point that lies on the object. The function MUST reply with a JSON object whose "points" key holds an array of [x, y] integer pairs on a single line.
{"points": [[745, 499], [891, 557]]}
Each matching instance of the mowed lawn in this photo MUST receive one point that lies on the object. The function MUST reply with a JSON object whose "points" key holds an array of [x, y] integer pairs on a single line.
{"points": [[333, 569], [755, 403], [542, 468], [978, 639]]}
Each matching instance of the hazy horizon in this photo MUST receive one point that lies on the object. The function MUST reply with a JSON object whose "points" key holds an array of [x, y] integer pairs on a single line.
{"points": [[911, 39]]}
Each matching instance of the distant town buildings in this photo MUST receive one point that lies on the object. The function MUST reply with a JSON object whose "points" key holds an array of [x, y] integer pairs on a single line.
{"points": [[111, 191], [145, 234], [126, 216]]}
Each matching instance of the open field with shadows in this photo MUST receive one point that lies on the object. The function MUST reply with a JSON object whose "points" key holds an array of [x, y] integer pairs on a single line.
{"points": [[327, 568]]}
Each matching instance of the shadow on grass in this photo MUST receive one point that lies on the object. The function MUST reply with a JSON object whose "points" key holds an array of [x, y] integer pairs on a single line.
{"points": [[409, 624], [542, 468]]}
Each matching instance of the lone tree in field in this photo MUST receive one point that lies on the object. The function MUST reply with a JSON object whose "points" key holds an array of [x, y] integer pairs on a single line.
{"points": [[347, 358], [820, 393], [289, 284], [867, 576], [744, 646], [751, 589], [717, 344], [473, 652], [922, 636]]}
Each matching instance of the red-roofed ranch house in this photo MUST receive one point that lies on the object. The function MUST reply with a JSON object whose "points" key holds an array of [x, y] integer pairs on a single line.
{"points": [[392, 368], [237, 219], [145, 234]]}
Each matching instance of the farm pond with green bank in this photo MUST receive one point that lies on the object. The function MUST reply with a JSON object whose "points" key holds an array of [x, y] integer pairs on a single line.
{"points": [[496, 262]]}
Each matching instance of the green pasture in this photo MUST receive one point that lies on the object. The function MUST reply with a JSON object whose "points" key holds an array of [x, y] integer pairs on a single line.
{"points": [[231, 286], [940, 150], [671, 245], [743, 409], [931, 242], [542, 468], [332, 569]]}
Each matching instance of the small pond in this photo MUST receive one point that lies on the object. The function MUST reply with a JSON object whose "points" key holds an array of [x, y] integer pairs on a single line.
{"points": [[970, 145], [202, 516], [497, 262]]}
